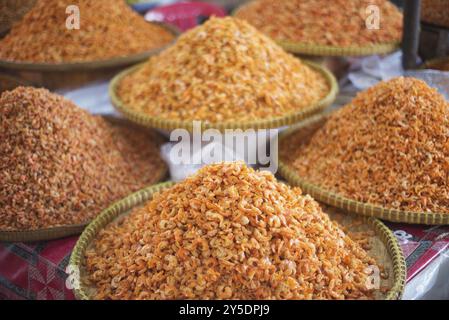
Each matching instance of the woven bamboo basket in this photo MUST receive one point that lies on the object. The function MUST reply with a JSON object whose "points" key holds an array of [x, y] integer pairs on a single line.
{"points": [[165, 124], [62, 231], [441, 64], [73, 75], [385, 248], [332, 51], [308, 127]]}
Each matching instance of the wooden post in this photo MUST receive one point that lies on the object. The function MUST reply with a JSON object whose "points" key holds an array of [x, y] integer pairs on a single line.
{"points": [[412, 26]]}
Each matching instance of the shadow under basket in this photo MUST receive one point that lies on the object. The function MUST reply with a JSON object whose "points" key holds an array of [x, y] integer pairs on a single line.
{"points": [[384, 246]]}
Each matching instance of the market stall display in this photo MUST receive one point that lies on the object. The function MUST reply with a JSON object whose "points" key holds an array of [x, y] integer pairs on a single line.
{"points": [[81, 213], [327, 28], [227, 75], [385, 154], [60, 166], [224, 233]]}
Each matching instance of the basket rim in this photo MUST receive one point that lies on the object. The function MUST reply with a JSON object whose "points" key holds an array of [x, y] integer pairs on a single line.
{"points": [[136, 199], [95, 64], [104, 218], [61, 231], [270, 123], [335, 51], [347, 204], [328, 50]]}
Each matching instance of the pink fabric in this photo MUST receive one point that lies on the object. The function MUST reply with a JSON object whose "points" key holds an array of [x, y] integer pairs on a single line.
{"points": [[421, 244], [185, 15], [36, 270]]}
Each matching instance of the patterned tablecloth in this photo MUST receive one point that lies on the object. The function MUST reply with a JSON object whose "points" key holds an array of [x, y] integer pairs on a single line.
{"points": [[37, 270], [421, 245]]}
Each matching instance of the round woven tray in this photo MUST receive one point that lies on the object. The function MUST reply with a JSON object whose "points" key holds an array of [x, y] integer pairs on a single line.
{"points": [[306, 128], [270, 123], [88, 65], [69, 230], [332, 51], [385, 248]]}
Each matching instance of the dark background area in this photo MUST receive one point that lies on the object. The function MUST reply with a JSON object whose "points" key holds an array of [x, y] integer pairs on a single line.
{"points": [[398, 2]]}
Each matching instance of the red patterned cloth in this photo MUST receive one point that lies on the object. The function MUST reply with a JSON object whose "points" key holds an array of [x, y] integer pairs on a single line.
{"points": [[37, 270], [185, 15], [421, 244]]}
